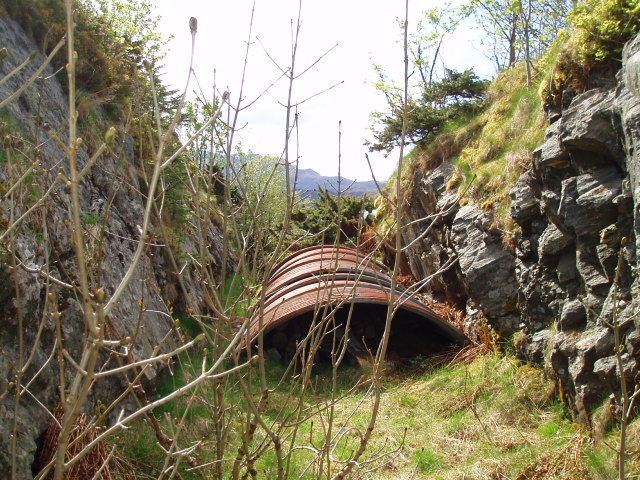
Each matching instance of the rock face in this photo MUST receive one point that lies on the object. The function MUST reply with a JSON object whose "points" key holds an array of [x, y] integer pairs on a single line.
{"points": [[427, 236], [581, 179], [459, 250], [110, 196], [574, 206]]}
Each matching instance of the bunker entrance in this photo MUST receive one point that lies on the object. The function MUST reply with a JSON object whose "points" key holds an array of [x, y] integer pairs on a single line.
{"points": [[362, 326], [324, 300]]}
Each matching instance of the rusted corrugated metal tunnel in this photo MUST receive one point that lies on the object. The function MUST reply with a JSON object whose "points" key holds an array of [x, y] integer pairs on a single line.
{"points": [[318, 295]]}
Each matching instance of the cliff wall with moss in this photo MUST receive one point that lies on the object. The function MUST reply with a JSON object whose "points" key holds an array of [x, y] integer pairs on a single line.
{"points": [[40, 301], [527, 218]]}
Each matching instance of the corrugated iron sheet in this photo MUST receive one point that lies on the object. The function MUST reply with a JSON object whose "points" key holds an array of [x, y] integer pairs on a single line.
{"points": [[314, 281]]}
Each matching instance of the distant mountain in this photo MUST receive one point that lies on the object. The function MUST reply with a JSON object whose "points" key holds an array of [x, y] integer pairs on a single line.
{"points": [[309, 180]]}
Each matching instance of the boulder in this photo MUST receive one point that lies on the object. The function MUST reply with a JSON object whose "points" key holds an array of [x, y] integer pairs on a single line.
{"points": [[586, 203], [553, 241], [534, 348], [566, 269], [524, 202], [487, 267], [608, 371], [552, 153], [573, 316], [591, 124]]}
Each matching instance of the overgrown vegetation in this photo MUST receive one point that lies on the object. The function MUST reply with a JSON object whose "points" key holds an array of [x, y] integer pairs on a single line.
{"points": [[226, 412], [492, 148], [597, 32], [330, 218], [113, 38], [214, 249], [456, 94], [518, 30], [494, 155], [493, 418]]}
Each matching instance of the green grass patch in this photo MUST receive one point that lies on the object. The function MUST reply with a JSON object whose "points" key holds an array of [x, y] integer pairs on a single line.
{"points": [[428, 461], [549, 429], [408, 401], [235, 295], [91, 218], [490, 416]]}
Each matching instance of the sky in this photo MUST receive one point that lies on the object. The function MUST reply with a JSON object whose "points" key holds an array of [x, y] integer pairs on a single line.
{"points": [[338, 43]]}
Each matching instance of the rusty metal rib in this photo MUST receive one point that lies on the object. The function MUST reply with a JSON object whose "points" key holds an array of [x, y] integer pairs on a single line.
{"points": [[326, 276]]}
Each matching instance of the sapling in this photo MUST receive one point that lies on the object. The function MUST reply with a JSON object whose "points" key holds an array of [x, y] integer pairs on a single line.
{"points": [[627, 398]]}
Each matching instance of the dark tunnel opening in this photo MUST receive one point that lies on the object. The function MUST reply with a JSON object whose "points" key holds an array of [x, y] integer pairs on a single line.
{"points": [[326, 295], [412, 334]]}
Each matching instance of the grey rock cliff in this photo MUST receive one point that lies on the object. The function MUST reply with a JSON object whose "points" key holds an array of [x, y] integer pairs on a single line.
{"points": [[110, 193], [574, 206], [582, 177], [458, 249]]}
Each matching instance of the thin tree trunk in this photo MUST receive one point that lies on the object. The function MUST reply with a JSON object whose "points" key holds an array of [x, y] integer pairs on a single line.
{"points": [[527, 53], [512, 39]]}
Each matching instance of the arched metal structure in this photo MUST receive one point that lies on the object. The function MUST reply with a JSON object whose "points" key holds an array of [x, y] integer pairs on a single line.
{"points": [[322, 293]]}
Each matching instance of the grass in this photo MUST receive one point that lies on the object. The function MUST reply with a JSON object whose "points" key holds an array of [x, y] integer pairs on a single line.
{"points": [[428, 461], [494, 418], [491, 149], [513, 126], [91, 218]]}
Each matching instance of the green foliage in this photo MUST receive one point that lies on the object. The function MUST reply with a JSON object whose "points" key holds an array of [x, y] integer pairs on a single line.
{"points": [[328, 215], [598, 31], [514, 26], [431, 31], [436, 94], [112, 39], [490, 149], [91, 218], [139, 444], [133, 26], [601, 28], [10, 135], [175, 203], [262, 200], [428, 461], [206, 150], [234, 289], [456, 94]]}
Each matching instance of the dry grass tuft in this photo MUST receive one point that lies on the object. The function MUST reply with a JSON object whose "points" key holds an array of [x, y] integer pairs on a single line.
{"points": [[94, 465], [468, 354], [451, 314], [449, 144], [456, 355], [565, 464]]}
